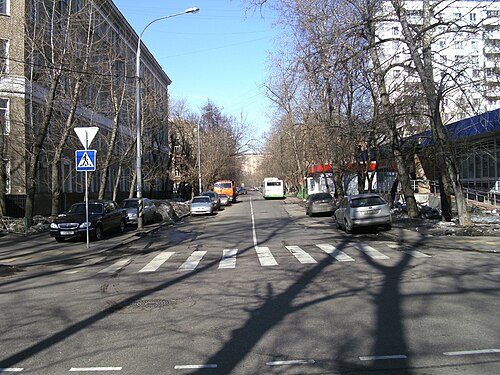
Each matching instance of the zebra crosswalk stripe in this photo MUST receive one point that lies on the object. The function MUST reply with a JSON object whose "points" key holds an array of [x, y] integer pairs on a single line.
{"points": [[192, 262], [265, 257], [116, 266], [335, 253], [412, 252], [370, 251], [228, 258], [157, 261], [88, 262], [301, 255]]}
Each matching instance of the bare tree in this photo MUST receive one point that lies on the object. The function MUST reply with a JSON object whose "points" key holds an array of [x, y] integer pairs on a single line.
{"points": [[419, 42], [54, 50], [76, 69]]}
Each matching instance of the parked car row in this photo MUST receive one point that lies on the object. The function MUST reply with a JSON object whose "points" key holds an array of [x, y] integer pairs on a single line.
{"points": [[103, 216], [353, 211], [208, 202]]}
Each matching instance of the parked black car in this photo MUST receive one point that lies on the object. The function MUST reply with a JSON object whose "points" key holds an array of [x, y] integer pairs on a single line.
{"points": [[104, 216]]}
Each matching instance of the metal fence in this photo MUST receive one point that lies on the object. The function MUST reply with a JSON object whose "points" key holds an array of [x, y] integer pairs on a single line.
{"points": [[481, 196]]}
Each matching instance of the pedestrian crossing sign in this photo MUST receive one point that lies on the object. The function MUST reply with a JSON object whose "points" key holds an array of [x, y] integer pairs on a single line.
{"points": [[85, 160]]}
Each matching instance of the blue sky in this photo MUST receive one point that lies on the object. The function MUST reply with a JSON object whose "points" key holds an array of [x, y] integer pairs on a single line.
{"points": [[219, 53]]}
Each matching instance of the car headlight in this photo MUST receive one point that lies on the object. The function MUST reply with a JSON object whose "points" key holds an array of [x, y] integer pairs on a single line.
{"points": [[53, 226], [84, 225]]}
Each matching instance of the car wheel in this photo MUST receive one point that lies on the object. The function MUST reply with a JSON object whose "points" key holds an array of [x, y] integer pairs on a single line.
{"points": [[388, 227], [347, 226], [60, 239], [307, 212], [97, 233]]}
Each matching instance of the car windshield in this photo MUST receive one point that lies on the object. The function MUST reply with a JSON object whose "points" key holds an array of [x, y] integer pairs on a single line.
{"points": [[223, 195], [201, 199], [94, 208], [129, 204], [223, 185], [367, 201]]}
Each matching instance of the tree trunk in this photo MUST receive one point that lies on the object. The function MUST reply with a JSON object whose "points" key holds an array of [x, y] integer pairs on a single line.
{"points": [[445, 195], [339, 186], [34, 153], [56, 161]]}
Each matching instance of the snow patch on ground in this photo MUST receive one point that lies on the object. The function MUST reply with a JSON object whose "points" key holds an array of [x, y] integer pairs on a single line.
{"points": [[168, 212]]}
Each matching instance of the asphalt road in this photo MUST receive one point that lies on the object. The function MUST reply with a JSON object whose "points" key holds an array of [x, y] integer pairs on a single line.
{"points": [[258, 288]]}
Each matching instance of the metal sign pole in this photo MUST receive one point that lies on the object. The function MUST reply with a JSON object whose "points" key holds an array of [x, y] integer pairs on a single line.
{"points": [[87, 194], [86, 135], [87, 207]]}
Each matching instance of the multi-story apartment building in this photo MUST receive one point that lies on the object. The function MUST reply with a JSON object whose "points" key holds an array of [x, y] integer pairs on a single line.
{"points": [[72, 64], [465, 39], [251, 170]]}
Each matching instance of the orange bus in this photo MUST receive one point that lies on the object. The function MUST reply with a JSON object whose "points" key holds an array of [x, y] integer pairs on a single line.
{"points": [[226, 187]]}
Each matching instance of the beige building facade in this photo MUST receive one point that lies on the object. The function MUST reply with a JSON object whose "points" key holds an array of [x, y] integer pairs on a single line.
{"points": [[88, 50]]}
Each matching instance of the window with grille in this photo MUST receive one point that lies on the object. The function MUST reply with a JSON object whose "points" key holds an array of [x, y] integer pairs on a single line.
{"points": [[4, 116], [4, 44]]}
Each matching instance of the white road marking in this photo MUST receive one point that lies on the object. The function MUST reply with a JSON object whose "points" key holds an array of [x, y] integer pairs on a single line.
{"points": [[291, 362], [265, 257], [228, 258], [192, 262], [88, 262], [473, 352], [157, 261], [188, 367], [116, 266], [383, 357], [412, 252], [93, 369], [417, 254], [335, 253], [301, 255], [11, 369], [370, 251], [254, 233]]}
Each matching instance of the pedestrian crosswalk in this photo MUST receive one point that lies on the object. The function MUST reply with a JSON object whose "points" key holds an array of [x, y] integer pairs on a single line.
{"points": [[227, 259]]}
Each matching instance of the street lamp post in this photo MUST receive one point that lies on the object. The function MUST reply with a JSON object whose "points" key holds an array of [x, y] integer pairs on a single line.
{"points": [[138, 113], [199, 159]]}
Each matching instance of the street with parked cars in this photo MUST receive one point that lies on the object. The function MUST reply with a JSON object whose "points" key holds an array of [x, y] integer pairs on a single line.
{"points": [[257, 288]]}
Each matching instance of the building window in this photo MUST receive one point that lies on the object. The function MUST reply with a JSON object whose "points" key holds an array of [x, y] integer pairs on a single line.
{"points": [[4, 116], [472, 16], [4, 54], [395, 30], [4, 7]]}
